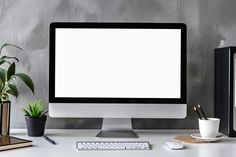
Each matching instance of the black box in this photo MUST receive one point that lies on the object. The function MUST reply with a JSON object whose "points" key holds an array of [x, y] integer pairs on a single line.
{"points": [[225, 89]]}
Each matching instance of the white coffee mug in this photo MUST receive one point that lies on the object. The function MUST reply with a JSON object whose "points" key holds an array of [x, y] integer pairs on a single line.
{"points": [[209, 128]]}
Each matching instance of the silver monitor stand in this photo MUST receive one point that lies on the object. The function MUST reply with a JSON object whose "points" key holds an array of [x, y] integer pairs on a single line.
{"points": [[117, 128]]}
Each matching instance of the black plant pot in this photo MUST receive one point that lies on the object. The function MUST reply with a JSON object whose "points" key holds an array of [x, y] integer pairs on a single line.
{"points": [[35, 126]]}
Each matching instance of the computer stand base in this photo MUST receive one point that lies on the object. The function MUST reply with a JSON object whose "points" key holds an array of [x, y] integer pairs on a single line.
{"points": [[117, 128], [117, 134]]}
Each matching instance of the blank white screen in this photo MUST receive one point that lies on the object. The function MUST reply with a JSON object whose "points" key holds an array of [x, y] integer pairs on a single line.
{"points": [[118, 63]]}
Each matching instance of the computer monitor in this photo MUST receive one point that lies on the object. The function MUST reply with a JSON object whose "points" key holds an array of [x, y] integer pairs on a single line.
{"points": [[117, 71]]}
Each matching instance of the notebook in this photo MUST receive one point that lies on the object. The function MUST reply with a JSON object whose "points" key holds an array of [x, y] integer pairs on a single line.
{"points": [[9, 142]]}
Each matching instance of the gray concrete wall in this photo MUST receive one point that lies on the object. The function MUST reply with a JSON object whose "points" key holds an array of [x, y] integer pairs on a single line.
{"points": [[211, 23]]}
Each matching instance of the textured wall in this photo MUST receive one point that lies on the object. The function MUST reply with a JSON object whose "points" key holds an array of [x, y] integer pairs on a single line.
{"points": [[210, 24]]}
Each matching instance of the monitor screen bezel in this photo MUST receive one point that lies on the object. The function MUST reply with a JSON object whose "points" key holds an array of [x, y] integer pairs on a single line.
{"points": [[55, 25]]}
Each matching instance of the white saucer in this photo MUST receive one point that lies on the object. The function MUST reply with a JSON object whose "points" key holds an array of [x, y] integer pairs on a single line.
{"points": [[198, 136]]}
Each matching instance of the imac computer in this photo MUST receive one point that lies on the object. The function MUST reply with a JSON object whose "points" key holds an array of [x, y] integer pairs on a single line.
{"points": [[117, 71]]}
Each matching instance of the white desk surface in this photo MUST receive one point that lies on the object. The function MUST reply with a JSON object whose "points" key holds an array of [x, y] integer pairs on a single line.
{"points": [[66, 140]]}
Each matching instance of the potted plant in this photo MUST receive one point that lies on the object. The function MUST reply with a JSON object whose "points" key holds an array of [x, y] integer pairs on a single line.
{"points": [[8, 77], [35, 116]]}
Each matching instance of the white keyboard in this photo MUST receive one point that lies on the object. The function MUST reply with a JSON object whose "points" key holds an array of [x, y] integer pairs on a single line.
{"points": [[112, 145]]}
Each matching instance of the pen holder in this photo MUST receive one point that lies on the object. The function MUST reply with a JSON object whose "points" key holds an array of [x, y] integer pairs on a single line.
{"points": [[209, 128]]}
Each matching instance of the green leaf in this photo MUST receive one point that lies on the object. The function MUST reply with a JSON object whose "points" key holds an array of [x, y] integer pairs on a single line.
{"points": [[1, 88], [4, 61], [27, 113], [13, 89], [11, 71], [5, 97], [30, 108], [3, 76], [27, 80], [7, 44], [6, 57], [11, 92], [43, 113]]}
